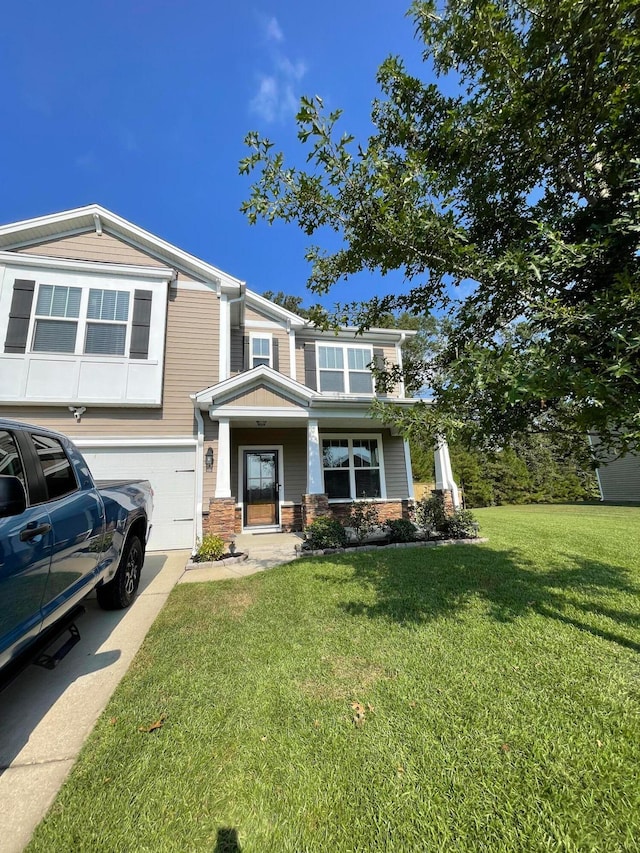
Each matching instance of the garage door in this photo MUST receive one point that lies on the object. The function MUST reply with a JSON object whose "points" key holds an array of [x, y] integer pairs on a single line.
{"points": [[171, 472]]}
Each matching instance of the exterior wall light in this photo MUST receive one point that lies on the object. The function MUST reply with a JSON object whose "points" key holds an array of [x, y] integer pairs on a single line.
{"points": [[208, 459]]}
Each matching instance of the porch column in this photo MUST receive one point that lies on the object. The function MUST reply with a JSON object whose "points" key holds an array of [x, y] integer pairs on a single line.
{"points": [[444, 474], [315, 484], [223, 470]]}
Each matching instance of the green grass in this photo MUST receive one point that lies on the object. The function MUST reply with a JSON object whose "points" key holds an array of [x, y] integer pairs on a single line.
{"points": [[500, 686]]}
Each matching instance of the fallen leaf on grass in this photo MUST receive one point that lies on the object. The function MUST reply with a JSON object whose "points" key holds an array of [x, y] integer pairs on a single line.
{"points": [[358, 717], [154, 726], [113, 720], [599, 742], [316, 724], [505, 747]]}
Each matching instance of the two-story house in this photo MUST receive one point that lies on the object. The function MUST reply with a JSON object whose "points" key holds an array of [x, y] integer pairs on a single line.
{"points": [[158, 365]]}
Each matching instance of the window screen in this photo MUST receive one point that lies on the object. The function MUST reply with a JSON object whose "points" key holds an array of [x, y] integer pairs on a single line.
{"points": [[109, 336], [57, 335], [260, 351]]}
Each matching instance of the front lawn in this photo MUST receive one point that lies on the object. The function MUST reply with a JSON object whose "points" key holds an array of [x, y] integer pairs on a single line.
{"points": [[480, 698]]}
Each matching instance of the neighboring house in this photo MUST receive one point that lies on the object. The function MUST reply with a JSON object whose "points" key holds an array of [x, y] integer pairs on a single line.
{"points": [[619, 480], [158, 365]]}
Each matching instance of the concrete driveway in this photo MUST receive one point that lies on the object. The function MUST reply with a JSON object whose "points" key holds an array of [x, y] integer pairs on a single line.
{"points": [[45, 716]]}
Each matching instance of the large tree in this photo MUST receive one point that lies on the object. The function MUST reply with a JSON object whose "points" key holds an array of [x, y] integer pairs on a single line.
{"points": [[511, 170]]}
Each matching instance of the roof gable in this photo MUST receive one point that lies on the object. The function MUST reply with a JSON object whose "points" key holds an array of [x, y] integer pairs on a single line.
{"points": [[97, 219], [262, 376]]}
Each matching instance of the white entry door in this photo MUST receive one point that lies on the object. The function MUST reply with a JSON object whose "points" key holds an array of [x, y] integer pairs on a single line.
{"points": [[171, 472]]}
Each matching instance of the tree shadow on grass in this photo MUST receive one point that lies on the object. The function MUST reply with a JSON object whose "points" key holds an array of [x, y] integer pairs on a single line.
{"points": [[423, 585]]}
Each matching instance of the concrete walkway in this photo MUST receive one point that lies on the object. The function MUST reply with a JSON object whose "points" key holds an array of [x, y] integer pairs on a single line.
{"points": [[265, 550]]}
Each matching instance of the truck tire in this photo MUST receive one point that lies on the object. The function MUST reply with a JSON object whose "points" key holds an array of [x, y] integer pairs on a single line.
{"points": [[122, 588]]}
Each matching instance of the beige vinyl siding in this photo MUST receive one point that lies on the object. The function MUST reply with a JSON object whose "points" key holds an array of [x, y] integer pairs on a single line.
{"points": [[261, 396], [395, 468], [93, 247], [620, 480], [294, 444], [191, 364], [209, 477]]}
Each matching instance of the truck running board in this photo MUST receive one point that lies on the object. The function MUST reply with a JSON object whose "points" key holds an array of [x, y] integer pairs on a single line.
{"points": [[51, 661], [37, 651]]}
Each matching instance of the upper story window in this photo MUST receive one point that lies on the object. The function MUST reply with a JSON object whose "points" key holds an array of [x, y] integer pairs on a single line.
{"points": [[59, 334], [344, 369], [111, 307], [68, 319], [260, 350]]}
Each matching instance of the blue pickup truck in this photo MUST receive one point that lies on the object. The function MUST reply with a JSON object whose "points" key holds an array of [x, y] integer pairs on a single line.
{"points": [[61, 536]]}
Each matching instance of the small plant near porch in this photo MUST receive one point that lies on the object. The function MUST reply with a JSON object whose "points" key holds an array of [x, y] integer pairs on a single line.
{"points": [[211, 548], [325, 532], [363, 519]]}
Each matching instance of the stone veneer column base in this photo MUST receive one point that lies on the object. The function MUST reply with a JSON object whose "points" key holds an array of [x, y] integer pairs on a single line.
{"points": [[313, 506], [221, 518], [445, 496]]}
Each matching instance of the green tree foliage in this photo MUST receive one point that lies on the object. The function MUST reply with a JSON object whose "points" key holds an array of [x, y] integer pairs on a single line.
{"points": [[285, 300], [514, 175], [533, 471]]}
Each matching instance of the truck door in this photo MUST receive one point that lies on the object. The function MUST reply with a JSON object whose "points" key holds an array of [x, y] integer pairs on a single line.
{"points": [[77, 518], [25, 556]]}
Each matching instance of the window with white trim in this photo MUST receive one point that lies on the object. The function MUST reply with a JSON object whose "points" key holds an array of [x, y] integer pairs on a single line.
{"points": [[73, 320], [56, 323], [111, 309], [344, 369], [260, 350], [352, 468]]}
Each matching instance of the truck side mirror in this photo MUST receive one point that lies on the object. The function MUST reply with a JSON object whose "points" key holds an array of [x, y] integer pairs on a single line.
{"points": [[13, 500]]}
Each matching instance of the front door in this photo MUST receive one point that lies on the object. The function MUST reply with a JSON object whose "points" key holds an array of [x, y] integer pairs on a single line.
{"points": [[261, 488]]}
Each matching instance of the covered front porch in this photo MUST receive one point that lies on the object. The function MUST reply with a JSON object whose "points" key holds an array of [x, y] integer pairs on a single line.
{"points": [[277, 454]]}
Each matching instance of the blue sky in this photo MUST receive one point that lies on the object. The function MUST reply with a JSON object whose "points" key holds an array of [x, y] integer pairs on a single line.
{"points": [[142, 106]]}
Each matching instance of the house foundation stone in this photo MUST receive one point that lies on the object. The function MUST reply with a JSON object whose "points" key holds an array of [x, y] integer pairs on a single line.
{"points": [[313, 506], [220, 519], [445, 497]]}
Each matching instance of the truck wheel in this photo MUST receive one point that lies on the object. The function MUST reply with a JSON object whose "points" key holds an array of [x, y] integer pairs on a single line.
{"points": [[121, 590]]}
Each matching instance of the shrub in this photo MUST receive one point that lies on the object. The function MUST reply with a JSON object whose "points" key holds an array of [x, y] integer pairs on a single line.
{"points": [[461, 525], [401, 530], [430, 513], [211, 548], [363, 518], [325, 532]]}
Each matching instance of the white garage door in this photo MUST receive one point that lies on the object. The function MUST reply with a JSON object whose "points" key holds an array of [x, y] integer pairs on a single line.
{"points": [[171, 472]]}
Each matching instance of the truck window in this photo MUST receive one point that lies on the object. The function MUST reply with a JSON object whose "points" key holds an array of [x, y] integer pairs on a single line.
{"points": [[58, 472], [10, 462]]}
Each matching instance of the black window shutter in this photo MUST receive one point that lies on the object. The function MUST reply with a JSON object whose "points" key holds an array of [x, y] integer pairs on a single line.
{"points": [[19, 315], [378, 358], [246, 363], [310, 366], [141, 323], [275, 354]]}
